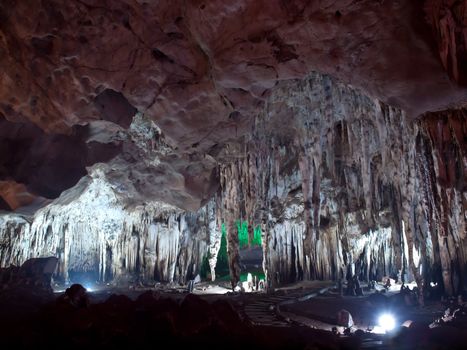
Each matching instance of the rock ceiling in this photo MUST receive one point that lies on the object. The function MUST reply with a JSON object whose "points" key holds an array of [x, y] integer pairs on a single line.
{"points": [[74, 73]]}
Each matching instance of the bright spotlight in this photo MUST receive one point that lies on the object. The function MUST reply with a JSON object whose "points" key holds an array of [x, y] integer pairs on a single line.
{"points": [[387, 322]]}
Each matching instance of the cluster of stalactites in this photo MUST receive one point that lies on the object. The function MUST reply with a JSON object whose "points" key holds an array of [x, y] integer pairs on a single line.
{"points": [[96, 235], [327, 166]]}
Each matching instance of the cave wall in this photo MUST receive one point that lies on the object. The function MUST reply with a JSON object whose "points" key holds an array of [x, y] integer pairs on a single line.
{"points": [[114, 224], [338, 181], [342, 184], [91, 231], [448, 20], [201, 70]]}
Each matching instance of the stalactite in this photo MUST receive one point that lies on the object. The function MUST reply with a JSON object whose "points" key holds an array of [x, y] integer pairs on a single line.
{"points": [[339, 183], [332, 167], [90, 230], [231, 210]]}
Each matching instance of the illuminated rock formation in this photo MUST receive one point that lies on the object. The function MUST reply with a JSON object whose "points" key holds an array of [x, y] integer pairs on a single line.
{"points": [[203, 70], [344, 184], [94, 233], [336, 127]]}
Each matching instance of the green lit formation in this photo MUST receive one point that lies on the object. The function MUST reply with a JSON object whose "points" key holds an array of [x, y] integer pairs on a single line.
{"points": [[222, 266], [257, 236], [242, 229], [222, 255], [205, 268]]}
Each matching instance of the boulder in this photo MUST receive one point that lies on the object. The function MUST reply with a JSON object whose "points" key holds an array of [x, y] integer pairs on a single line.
{"points": [[35, 272], [76, 296], [344, 318]]}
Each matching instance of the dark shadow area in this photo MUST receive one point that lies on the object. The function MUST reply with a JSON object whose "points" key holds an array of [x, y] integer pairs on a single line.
{"points": [[45, 163], [114, 107]]}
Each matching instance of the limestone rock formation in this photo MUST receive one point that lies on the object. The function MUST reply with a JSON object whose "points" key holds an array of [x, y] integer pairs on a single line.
{"points": [[202, 70], [339, 183], [96, 236], [343, 184], [448, 20], [338, 127]]}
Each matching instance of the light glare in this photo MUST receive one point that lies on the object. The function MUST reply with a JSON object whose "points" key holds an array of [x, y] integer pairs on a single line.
{"points": [[387, 322]]}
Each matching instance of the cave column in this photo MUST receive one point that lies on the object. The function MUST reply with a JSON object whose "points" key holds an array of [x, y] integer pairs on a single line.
{"points": [[304, 165], [214, 239], [230, 181], [408, 231], [445, 258], [233, 252], [66, 254]]}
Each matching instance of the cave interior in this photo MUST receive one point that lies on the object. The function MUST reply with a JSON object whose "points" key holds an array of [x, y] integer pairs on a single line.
{"points": [[242, 170]]}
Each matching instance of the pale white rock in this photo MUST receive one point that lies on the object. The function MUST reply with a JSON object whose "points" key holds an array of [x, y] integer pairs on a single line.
{"points": [[91, 230]]}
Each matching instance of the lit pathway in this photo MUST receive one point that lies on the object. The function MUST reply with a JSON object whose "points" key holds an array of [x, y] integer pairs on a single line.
{"points": [[263, 309], [262, 312]]}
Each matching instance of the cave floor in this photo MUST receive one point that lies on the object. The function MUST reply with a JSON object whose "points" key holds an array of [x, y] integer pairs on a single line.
{"points": [[321, 311], [287, 305], [306, 310]]}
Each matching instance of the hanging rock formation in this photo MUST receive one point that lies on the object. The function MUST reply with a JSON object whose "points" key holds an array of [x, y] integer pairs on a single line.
{"points": [[448, 20], [203, 70], [104, 227], [165, 119], [344, 184], [92, 232], [339, 182]]}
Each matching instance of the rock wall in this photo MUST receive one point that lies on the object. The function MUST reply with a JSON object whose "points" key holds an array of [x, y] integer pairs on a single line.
{"points": [[448, 20], [91, 231], [201, 71], [342, 184]]}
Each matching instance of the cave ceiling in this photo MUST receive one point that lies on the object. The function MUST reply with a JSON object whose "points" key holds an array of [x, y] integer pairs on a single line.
{"points": [[195, 73]]}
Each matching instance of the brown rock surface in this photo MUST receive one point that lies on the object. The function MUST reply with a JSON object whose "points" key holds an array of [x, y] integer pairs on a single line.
{"points": [[449, 23], [202, 70], [15, 195]]}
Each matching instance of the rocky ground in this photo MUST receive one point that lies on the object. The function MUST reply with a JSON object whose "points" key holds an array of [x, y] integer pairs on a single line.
{"points": [[150, 318], [110, 317]]}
